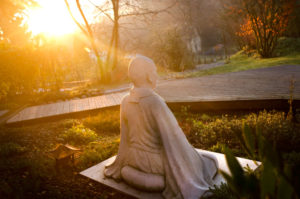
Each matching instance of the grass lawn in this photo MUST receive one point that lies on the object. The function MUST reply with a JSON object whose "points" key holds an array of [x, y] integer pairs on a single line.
{"points": [[241, 62], [288, 50]]}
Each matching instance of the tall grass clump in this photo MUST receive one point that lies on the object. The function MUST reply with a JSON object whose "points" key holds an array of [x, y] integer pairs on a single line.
{"points": [[105, 123]]}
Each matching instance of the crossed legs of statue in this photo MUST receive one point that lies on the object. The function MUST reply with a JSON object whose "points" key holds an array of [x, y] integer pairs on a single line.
{"points": [[141, 180]]}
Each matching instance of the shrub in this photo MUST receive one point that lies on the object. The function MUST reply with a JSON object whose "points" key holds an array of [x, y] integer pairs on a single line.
{"points": [[68, 123], [217, 148], [274, 178], [221, 192], [79, 135], [25, 176], [98, 151], [11, 149], [287, 45], [205, 118], [279, 131], [170, 50], [209, 134], [4, 89]]}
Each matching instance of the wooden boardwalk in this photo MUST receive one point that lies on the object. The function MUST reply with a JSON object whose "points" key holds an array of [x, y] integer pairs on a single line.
{"points": [[259, 84], [3, 112], [67, 107]]}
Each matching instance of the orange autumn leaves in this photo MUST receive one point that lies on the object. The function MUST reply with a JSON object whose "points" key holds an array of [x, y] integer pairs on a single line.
{"points": [[263, 21]]}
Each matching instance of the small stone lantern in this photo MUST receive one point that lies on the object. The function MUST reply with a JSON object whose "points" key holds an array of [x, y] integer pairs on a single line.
{"points": [[64, 154]]}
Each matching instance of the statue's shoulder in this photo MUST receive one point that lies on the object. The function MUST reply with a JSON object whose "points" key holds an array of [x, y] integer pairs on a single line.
{"points": [[154, 100], [124, 99]]}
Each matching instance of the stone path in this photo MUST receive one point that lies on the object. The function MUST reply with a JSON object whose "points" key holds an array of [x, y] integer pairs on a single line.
{"points": [[258, 84]]}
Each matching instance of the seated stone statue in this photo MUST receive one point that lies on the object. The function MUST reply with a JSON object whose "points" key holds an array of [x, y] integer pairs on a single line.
{"points": [[154, 154]]}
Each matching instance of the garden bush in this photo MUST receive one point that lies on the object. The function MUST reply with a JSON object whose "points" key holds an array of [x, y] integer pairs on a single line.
{"points": [[170, 50], [25, 176], [207, 135], [274, 178], [211, 134], [69, 123], [10, 149], [221, 192], [96, 152], [287, 45], [78, 135]]}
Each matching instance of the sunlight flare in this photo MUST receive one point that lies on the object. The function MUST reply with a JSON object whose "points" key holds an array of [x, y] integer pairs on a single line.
{"points": [[50, 18]]}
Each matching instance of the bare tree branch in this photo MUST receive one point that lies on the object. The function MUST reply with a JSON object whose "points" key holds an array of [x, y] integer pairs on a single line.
{"points": [[147, 11], [77, 23], [88, 32], [102, 11]]}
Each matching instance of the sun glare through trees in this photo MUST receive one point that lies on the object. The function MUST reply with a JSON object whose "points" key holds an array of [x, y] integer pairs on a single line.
{"points": [[50, 18]]}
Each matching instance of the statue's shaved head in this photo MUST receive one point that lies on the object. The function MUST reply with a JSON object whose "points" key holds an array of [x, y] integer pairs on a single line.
{"points": [[140, 68]]}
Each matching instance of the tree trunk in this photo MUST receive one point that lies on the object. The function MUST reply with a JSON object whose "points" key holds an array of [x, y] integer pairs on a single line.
{"points": [[116, 32]]}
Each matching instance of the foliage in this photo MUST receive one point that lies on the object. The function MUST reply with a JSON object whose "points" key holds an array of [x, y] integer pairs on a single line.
{"points": [[18, 70], [78, 135], [11, 16], [242, 62], [174, 49], [293, 30], [96, 152], [33, 169], [171, 51], [209, 135], [274, 179], [215, 133], [39, 70], [32, 173], [10, 149], [4, 88], [265, 21], [104, 123], [221, 192], [287, 46]]}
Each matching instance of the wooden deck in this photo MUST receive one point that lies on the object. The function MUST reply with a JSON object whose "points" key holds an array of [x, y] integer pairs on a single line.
{"points": [[231, 89], [3, 112], [67, 107]]}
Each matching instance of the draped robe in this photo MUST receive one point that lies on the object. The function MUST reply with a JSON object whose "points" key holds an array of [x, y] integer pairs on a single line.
{"points": [[153, 142]]}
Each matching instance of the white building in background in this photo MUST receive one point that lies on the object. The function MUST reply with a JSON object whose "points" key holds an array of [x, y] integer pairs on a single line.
{"points": [[194, 45]]}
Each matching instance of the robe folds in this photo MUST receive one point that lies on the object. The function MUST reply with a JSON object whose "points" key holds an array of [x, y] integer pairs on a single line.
{"points": [[153, 142]]}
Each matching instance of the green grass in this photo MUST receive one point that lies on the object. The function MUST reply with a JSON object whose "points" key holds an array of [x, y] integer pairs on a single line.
{"points": [[241, 62]]}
